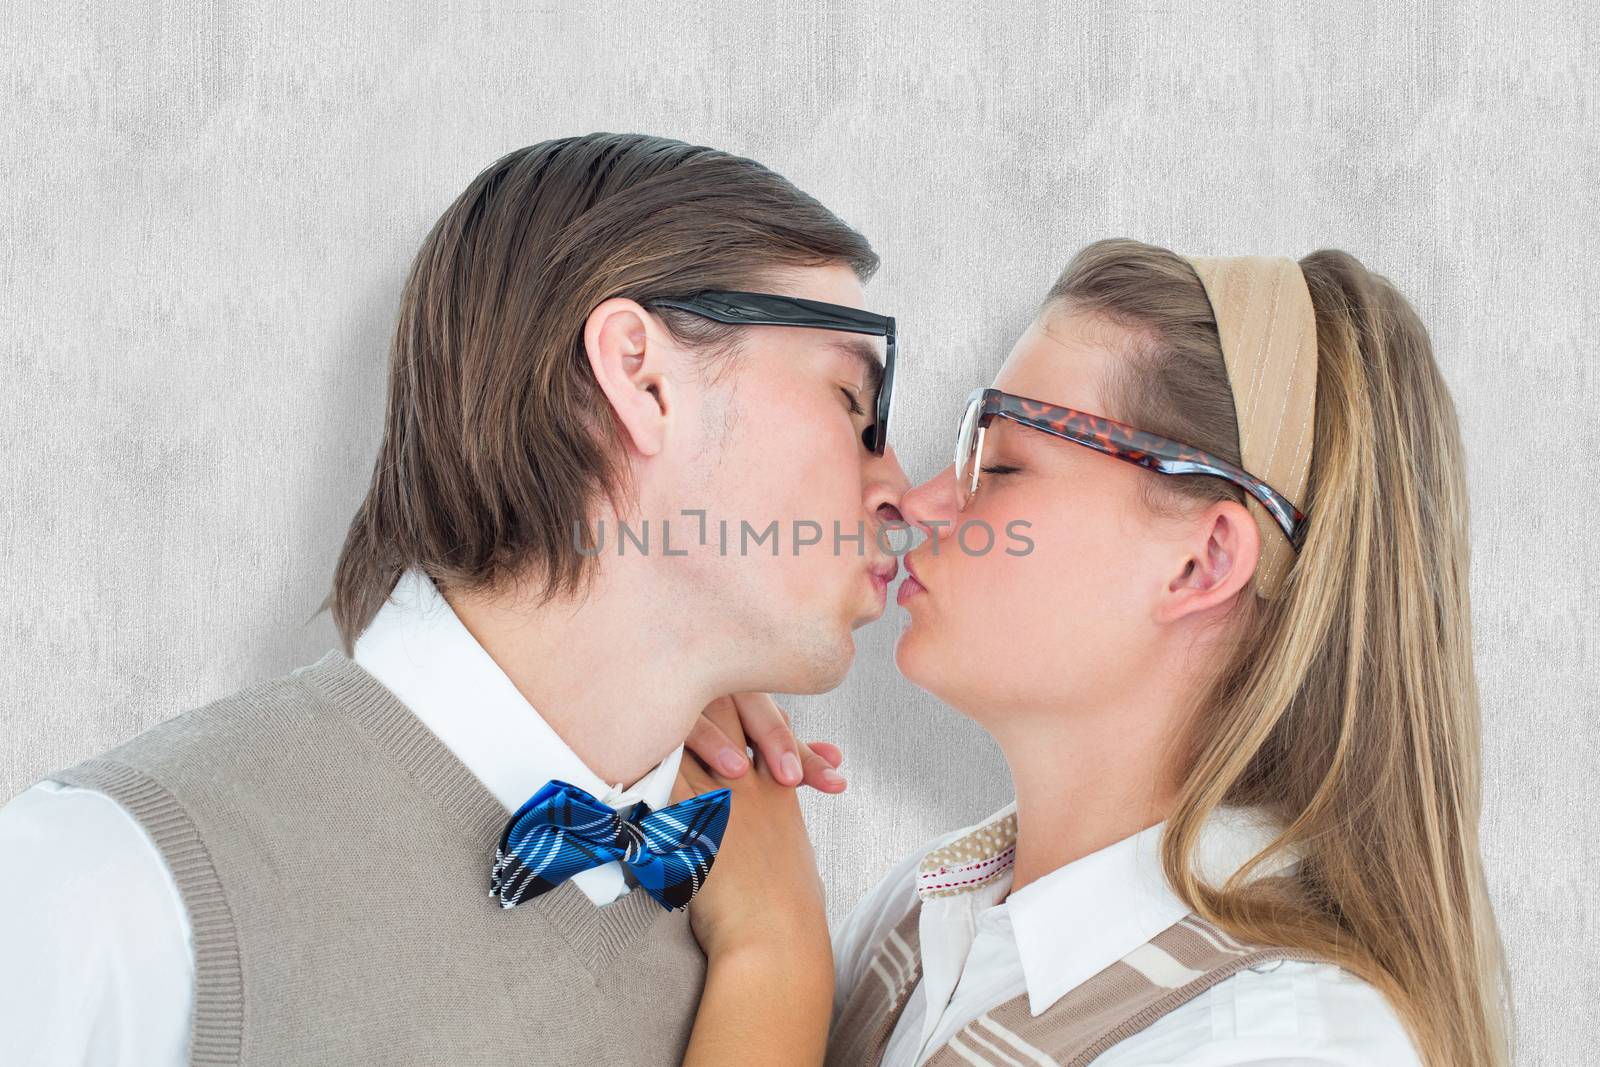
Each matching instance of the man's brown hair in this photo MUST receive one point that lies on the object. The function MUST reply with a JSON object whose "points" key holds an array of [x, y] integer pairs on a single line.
{"points": [[497, 440]]}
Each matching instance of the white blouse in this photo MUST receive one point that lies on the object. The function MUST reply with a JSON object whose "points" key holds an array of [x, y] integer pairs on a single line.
{"points": [[981, 947]]}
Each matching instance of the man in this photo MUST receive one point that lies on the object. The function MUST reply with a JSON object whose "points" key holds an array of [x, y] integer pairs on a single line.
{"points": [[613, 486]]}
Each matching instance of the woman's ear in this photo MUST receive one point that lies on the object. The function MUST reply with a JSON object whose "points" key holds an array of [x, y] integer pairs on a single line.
{"points": [[628, 355], [1213, 563]]}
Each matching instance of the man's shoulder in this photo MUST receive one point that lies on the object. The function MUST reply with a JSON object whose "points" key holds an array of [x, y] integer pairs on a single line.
{"points": [[48, 829], [211, 739], [269, 706], [92, 900]]}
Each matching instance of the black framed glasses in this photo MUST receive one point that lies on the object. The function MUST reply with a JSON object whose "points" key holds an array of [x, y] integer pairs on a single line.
{"points": [[770, 309], [1117, 439]]}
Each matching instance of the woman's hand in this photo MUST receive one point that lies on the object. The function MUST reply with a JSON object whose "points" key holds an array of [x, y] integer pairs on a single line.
{"points": [[763, 891], [760, 919], [760, 722]]}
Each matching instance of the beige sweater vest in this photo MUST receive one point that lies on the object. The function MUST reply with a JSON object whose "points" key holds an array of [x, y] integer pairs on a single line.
{"points": [[333, 856]]}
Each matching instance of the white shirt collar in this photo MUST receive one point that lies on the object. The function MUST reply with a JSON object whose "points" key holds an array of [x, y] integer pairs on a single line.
{"points": [[1084, 916], [420, 651]]}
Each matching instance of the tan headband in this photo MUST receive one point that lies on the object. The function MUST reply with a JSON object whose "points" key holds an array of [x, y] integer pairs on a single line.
{"points": [[1268, 330]]}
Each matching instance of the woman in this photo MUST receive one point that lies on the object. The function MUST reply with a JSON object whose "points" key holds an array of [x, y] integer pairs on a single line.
{"points": [[1234, 686]]}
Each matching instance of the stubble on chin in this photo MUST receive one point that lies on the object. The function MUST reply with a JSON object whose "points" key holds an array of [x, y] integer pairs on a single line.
{"points": [[819, 657]]}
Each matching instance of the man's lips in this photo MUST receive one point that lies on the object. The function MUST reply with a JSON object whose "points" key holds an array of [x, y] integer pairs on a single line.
{"points": [[883, 573]]}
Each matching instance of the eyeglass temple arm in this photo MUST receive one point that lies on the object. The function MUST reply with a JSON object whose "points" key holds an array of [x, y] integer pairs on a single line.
{"points": [[1290, 519]]}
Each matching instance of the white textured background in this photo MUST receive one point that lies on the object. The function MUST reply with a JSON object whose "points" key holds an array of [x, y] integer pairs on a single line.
{"points": [[209, 209]]}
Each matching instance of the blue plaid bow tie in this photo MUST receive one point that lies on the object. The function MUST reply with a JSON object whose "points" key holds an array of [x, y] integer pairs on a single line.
{"points": [[563, 830]]}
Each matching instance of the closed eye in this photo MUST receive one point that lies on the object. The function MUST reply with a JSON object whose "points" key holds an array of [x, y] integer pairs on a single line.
{"points": [[1001, 468], [855, 405]]}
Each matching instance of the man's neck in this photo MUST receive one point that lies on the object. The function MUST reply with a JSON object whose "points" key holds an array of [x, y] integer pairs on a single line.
{"points": [[610, 677]]}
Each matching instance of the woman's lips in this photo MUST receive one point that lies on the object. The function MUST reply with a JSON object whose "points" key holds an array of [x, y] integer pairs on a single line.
{"points": [[911, 586]]}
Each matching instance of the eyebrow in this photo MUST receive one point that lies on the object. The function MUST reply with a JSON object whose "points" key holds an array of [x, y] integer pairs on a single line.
{"points": [[864, 353]]}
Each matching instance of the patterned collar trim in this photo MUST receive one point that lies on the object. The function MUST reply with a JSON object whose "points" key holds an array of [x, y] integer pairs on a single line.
{"points": [[974, 859]]}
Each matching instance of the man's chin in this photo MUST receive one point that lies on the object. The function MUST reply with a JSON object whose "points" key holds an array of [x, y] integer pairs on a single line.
{"points": [[868, 619], [823, 666]]}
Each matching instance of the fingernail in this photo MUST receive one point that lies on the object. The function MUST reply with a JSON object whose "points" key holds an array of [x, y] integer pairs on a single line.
{"points": [[730, 761], [831, 776], [791, 767]]}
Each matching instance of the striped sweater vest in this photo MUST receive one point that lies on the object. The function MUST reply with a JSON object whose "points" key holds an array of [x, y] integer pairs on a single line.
{"points": [[1176, 965]]}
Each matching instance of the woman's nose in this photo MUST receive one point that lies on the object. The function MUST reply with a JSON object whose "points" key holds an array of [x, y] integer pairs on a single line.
{"points": [[932, 505]]}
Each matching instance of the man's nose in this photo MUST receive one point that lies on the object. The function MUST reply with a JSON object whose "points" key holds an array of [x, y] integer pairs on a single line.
{"points": [[886, 483]]}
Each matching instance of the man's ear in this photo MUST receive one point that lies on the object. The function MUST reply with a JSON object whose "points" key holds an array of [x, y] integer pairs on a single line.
{"points": [[1213, 563], [629, 354]]}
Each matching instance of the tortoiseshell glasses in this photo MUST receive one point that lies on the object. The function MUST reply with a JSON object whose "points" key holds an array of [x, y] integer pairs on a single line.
{"points": [[1116, 439]]}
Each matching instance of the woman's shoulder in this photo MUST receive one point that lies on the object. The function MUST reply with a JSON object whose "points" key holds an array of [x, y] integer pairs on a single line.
{"points": [[886, 903], [878, 911], [1306, 1013], [895, 893]]}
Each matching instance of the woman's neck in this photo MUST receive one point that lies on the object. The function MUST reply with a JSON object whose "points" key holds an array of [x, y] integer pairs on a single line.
{"points": [[1083, 782]]}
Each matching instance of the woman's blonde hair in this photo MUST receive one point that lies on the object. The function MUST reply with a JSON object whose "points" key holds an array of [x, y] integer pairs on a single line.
{"points": [[1351, 709]]}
